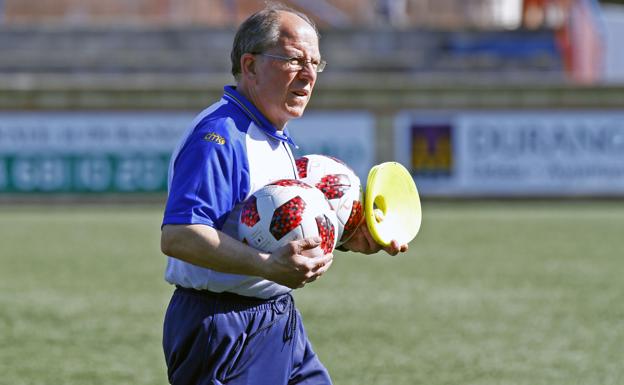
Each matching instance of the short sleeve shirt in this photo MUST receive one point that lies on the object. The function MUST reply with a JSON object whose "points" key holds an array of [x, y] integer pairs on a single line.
{"points": [[229, 151]]}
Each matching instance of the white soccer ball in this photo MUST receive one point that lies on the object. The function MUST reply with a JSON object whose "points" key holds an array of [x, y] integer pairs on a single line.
{"points": [[287, 210], [340, 185]]}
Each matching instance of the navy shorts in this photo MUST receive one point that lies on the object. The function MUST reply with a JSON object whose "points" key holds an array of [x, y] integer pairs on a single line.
{"points": [[222, 338]]}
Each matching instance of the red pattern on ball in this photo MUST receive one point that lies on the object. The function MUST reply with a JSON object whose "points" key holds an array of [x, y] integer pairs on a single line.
{"points": [[326, 232], [334, 185], [287, 217], [249, 214], [290, 182], [302, 167], [355, 218]]}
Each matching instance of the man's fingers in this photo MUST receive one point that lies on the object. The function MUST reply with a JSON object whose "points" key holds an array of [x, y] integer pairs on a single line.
{"points": [[390, 250], [400, 248], [320, 271], [323, 262], [395, 248], [313, 276], [314, 263], [308, 243]]}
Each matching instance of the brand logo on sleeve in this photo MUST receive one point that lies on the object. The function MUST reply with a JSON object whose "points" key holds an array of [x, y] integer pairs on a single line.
{"points": [[214, 137]]}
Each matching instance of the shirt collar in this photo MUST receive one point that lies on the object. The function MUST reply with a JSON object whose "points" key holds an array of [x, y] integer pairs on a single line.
{"points": [[230, 93]]}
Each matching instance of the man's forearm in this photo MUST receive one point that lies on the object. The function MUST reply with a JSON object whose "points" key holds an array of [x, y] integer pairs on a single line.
{"points": [[207, 247]]}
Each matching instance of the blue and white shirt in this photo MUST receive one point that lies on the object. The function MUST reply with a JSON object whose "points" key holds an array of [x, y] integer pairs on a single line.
{"points": [[230, 151]]}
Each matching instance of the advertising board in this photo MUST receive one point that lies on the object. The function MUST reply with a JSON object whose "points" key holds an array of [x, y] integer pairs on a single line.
{"points": [[534, 153], [128, 152]]}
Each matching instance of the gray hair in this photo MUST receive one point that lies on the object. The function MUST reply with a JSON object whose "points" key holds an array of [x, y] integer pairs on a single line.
{"points": [[260, 32]]}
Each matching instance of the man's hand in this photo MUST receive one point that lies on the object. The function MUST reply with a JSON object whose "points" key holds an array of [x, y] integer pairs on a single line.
{"points": [[362, 242], [296, 263]]}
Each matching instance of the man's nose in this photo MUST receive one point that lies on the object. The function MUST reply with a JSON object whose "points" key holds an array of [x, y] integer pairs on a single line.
{"points": [[308, 71]]}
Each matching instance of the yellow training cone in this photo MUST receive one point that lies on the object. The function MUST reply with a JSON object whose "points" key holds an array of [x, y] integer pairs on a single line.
{"points": [[392, 204]]}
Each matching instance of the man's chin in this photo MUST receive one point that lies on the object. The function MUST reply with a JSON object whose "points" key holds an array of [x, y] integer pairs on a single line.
{"points": [[296, 111]]}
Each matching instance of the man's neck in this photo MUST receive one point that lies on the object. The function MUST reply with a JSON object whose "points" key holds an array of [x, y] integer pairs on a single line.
{"points": [[249, 95]]}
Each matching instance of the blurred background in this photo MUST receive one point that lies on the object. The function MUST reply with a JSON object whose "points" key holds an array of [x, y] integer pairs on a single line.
{"points": [[508, 113], [477, 97]]}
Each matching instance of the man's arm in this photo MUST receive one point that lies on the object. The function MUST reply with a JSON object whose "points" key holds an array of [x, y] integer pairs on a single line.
{"points": [[207, 247]]}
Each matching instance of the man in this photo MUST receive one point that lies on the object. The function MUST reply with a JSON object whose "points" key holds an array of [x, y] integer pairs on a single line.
{"points": [[231, 318]]}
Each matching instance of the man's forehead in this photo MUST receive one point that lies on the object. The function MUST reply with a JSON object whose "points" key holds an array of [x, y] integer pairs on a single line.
{"points": [[292, 26], [308, 43]]}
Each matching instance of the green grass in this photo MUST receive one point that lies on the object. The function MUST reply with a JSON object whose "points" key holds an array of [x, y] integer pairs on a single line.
{"points": [[490, 293]]}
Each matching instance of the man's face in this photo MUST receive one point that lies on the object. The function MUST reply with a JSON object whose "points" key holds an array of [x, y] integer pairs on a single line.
{"points": [[280, 92]]}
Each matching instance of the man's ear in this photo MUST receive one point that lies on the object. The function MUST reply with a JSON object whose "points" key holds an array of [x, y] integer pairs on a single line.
{"points": [[248, 65]]}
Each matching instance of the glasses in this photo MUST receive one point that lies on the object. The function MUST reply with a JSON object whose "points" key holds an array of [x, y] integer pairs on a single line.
{"points": [[298, 63]]}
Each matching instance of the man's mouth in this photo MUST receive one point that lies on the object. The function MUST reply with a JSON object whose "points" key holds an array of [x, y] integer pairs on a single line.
{"points": [[301, 93]]}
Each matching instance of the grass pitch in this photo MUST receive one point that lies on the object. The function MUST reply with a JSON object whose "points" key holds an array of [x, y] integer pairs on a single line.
{"points": [[489, 293]]}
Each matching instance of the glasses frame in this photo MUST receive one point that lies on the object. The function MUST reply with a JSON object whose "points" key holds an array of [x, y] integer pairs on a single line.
{"points": [[297, 63]]}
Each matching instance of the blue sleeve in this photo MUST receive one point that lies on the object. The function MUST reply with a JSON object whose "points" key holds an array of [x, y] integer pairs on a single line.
{"points": [[210, 175]]}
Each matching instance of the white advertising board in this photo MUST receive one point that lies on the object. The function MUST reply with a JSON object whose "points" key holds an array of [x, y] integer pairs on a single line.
{"points": [[87, 152], [514, 153], [99, 152]]}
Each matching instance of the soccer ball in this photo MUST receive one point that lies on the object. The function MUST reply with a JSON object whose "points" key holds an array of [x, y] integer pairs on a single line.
{"points": [[340, 186], [287, 210]]}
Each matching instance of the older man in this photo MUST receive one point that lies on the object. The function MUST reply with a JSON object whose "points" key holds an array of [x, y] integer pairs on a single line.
{"points": [[231, 318]]}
